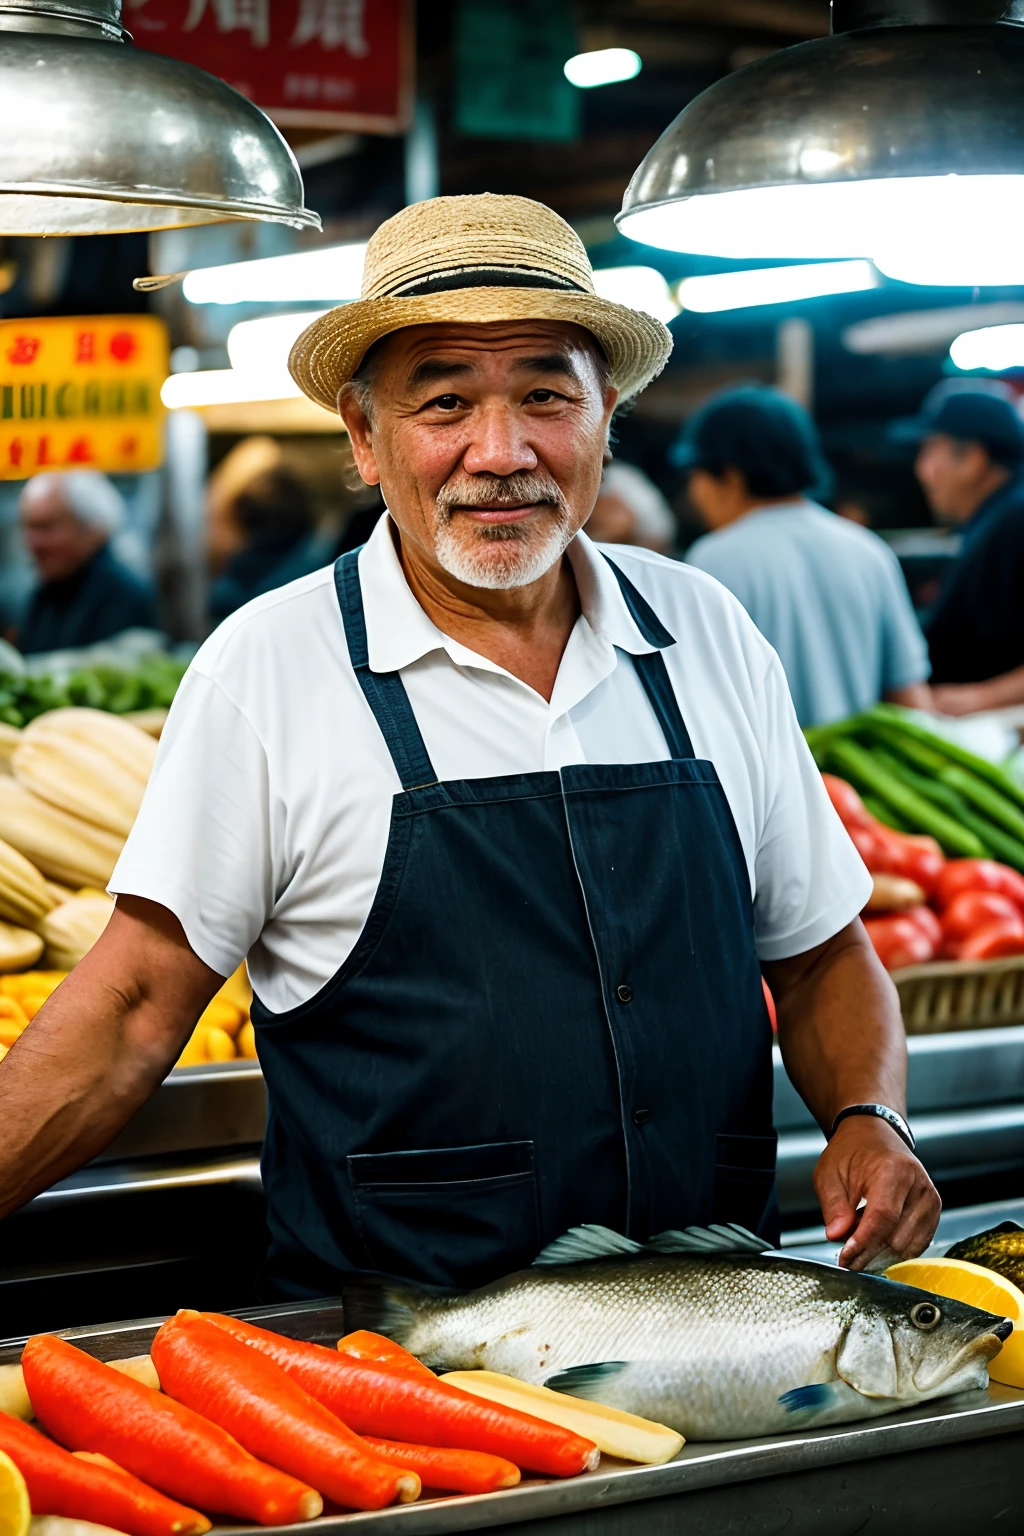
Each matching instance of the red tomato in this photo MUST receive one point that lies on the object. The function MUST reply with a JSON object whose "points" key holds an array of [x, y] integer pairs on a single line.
{"points": [[914, 857], [899, 941], [849, 806], [769, 1003], [870, 847], [928, 923], [1003, 937], [962, 875], [975, 909]]}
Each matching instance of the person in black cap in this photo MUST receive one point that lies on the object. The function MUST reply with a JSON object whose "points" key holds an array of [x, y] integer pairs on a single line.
{"points": [[828, 595], [969, 464]]}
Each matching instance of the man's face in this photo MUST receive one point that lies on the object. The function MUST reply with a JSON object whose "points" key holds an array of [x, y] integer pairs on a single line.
{"points": [[952, 475], [58, 543], [487, 441]]}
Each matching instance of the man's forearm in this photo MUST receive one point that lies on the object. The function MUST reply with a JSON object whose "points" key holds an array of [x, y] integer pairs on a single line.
{"points": [[840, 1030], [98, 1048]]}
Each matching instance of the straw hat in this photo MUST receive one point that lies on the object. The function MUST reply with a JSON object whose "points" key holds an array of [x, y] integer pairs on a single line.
{"points": [[471, 260]]}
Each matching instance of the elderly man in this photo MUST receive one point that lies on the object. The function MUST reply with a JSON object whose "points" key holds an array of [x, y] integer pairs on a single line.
{"points": [[506, 828], [85, 593]]}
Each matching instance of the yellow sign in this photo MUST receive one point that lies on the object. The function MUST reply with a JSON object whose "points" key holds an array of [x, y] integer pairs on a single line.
{"points": [[81, 393]]}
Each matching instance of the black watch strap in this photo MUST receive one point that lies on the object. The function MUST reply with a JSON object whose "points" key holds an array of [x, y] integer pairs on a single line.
{"points": [[881, 1112]]}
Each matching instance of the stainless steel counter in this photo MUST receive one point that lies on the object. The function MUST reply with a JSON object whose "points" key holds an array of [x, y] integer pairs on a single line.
{"points": [[931, 1469]]}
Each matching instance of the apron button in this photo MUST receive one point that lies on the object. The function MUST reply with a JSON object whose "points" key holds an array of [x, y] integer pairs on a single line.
{"points": [[641, 1117], [624, 993]]}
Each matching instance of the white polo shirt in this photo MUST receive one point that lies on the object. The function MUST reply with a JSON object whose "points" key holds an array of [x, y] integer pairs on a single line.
{"points": [[266, 819]]}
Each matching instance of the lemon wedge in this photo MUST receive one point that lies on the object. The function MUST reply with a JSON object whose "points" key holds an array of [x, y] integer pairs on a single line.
{"points": [[15, 1510], [961, 1280]]}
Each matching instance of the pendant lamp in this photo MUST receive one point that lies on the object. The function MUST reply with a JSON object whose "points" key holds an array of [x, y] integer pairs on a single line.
{"points": [[901, 132], [98, 137]]}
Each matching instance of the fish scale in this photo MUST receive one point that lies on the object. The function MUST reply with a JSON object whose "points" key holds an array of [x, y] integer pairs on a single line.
{"points": [[717, 1345]]}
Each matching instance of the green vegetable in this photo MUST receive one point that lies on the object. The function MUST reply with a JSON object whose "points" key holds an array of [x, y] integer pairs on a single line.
{"points": [[860, 765], [988, 800], [893, 716], [999, 843], [884, 813]]}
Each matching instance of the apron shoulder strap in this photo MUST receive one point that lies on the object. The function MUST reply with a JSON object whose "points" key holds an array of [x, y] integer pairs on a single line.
{"points": [[384, 691], [651, 669]]}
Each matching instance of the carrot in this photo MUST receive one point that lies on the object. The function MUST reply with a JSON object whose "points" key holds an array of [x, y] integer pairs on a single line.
{"points": [[363, 1345], [269, 1413], [60, 1484], [451, 1471], [89, 1407], [374, 1398]]}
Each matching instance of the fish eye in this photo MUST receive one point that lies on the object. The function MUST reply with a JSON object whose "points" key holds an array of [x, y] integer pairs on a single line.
{"points": [[925, 1315]]}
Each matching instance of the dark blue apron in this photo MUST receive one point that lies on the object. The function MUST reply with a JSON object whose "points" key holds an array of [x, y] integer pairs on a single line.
{"points": [[553, 1015]]}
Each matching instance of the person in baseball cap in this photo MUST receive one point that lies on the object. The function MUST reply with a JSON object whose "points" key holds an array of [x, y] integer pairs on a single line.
{"points": [[970, 465]]}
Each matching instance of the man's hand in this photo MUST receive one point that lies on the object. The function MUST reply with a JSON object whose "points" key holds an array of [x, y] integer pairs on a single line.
{"points": [[867, 1162]]}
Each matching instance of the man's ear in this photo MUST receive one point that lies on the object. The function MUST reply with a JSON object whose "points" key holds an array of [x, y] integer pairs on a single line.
{"points": [[360, 435]]}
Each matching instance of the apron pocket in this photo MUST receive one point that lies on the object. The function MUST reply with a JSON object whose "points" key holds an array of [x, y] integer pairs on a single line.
{"points": [[744, 1179], [451, 1216]]}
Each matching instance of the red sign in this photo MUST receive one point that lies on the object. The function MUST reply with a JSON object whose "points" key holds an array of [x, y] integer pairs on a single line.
{"points": [[343, 64]]}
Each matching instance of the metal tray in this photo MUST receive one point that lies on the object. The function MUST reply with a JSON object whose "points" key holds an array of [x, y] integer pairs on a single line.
{"points": [[197, 1109], [973, 1417]]}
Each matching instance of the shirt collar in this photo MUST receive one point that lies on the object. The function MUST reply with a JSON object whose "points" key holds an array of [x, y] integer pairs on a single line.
{"points": [[398, 632]]}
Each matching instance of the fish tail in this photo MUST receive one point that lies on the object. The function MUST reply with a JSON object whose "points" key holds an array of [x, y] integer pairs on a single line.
{"points": [[383, 1305]]}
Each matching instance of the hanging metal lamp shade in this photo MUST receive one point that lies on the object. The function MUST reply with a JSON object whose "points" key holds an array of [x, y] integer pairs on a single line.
{"points": [[908, 120], [97, 136]]}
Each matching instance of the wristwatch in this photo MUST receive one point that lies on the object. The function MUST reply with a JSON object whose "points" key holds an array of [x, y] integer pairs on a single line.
{"points": [[881, 1112]]}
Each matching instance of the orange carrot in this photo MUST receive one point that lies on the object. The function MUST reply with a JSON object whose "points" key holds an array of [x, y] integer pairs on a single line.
{"points": [[451, 1471], [269, 1413], [374, 1398], [60, 1484], [87, 1406], [363, 1345]]}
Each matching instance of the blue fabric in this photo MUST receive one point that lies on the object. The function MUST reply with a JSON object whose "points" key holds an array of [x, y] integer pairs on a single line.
{"points": [[102, 599], [553, 1015], [976, 629], [829, 596]]}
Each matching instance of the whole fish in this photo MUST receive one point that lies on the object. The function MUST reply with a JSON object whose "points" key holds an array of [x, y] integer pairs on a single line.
{"points": [[702, 1331], [1000, 1248]]}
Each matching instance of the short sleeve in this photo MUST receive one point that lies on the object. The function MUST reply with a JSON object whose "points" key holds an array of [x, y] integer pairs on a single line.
{"points": [[809, 879], [201, 843], [904, 649]]}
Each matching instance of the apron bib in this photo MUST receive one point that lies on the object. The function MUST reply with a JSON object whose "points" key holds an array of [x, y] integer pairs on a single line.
{"points": [[553, 1015]]}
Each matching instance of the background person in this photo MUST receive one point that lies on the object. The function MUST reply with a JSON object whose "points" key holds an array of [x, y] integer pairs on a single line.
{"points": [[271, 521], [85, 594], [828, 595], [969, 464], [631, 510]]}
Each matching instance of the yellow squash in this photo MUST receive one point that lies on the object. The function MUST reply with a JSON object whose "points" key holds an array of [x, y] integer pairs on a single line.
{"points": [[71, 929], [24, 894], [65, 848], [87, 763], [19, 947]]}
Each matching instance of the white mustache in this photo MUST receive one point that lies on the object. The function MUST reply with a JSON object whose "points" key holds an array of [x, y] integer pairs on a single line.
{"points": [[499, 491]]}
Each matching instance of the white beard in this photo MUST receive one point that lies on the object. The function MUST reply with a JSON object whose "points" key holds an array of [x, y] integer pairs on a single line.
{"points": [[516, 557]]}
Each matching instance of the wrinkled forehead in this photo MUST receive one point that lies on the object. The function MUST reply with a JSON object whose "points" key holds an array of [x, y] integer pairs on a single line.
{"points": [[493, 349]]}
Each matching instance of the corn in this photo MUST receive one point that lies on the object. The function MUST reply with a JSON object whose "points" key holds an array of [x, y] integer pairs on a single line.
{"points": [[219, 1045], [31, 983], [194, 1054], [24, 897], [220, 1014], [19, 947], [12, 1021], [246, 1042], [71, 930], [63, 847], [101, 777]]}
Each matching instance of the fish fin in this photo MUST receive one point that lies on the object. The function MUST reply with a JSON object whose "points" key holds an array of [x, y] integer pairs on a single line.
{"points": [[586, 1242], [588, 1381], [820, 1395], [961, 1250], [384, 1305], [729, 1238]]}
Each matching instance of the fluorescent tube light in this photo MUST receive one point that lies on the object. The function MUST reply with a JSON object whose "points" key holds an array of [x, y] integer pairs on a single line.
{"points": [[264, 345], [638, 287], [994, 347], [226, 386], [822, 221], [964, 263], [333, 274], [774, 285], [602, 66]]}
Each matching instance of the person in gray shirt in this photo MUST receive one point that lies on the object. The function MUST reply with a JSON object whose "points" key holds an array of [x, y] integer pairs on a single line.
{"points": [[827, 594]]}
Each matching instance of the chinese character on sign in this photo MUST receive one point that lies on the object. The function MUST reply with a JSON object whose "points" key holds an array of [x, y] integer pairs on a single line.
{"points": [[123, 346], [333, 24], [252, 16], [85, 347], [24, 350]]}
